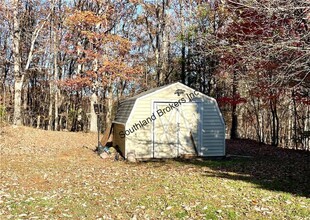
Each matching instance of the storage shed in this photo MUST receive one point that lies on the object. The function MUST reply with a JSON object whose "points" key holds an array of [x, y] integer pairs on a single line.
{"points": [[167, 122]]}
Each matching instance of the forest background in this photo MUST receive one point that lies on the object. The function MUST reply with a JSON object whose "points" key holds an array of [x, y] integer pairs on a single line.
{"points": [[58, 58]]}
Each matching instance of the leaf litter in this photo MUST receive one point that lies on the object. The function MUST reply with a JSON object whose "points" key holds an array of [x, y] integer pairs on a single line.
{"points": [[50, 175]]}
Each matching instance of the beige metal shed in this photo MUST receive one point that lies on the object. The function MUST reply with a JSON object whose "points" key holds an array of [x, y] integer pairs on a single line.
{"points": [[167, 122]]}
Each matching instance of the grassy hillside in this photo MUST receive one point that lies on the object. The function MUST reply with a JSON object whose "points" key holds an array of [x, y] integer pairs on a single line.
{"points": [[50, 175]]}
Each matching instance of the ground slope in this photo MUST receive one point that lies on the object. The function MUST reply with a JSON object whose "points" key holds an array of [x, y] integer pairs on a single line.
{"points": [[50, 175]]}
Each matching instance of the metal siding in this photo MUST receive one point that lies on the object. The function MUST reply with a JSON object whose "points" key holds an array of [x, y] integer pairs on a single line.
{"points": [[213, 138]]}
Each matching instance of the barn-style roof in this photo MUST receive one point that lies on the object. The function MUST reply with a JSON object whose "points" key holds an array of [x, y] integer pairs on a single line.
{"points": [[125, 107]]}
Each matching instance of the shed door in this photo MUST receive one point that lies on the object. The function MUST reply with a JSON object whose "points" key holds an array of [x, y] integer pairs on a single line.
{"points": [[165, 143], [176, 132], [189, 131]]}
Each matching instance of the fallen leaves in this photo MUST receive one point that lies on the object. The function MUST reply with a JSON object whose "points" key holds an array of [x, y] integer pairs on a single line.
{"points": [[263, 210], [56, 178]]}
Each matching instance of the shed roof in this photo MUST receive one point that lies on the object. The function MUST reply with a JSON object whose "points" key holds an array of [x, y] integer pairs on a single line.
{"points": [[125, 107]]}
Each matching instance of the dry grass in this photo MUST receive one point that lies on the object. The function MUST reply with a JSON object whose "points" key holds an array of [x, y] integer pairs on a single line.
{"points": [[50, 175]]}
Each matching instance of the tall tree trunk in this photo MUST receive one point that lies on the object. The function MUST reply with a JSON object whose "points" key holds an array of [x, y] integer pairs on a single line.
{"points": [[275, 124], [234, 116], [19, 78], [158, 46], [56, 110], [295, 138], [38, 121], [157, 60], [109, 104], [50, 108], [93, 116], [165, 44], [257, 117], [307, 128], [94, 100], [26, 115], [183, 74], [183, 54], [4, 102], [55, 42], [18, 100]]}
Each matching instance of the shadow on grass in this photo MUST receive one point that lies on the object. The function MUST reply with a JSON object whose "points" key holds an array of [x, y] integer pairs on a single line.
{"points": [[288, 174]]}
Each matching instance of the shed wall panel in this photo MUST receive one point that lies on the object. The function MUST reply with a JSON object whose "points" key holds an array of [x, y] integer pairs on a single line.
{"points": [[139, 143]]}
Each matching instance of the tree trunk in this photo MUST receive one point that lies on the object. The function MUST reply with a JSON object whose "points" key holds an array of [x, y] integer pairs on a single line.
{"points": [[93, 116], [158, 70], [26, 115], [234, 123], [18, 84], [257, 117], [307, 128], [56, 111], [183, 53], [165, 44], [109, 105], [55, 80], [158, 47], [295, 139], [275, 124], [17, 101], [234, 116], [183, 74], [4, 102], [50, 108], [38, 121]]}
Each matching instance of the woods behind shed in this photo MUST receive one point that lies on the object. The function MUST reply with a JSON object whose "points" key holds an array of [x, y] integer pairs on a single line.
{"points": [[168, 122]]}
